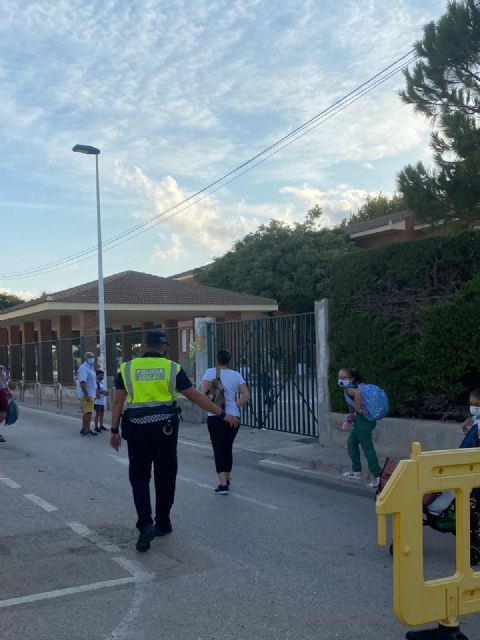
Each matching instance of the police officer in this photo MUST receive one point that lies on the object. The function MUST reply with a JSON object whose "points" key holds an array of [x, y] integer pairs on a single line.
{"points": [[150, 427]]}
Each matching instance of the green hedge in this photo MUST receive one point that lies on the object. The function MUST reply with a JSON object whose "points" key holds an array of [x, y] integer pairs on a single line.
{"points": [[408, 317]]}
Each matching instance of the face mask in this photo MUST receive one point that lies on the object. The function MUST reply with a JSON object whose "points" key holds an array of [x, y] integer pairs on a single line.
{"points": [[91, 360], [475, 411], [344, 383]]}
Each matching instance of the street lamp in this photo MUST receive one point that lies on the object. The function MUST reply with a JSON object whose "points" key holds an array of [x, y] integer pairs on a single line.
{"points": [[102, 360]]}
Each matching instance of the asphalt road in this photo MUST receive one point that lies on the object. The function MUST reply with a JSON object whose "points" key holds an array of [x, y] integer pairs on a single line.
{"points": [[286, 555]]}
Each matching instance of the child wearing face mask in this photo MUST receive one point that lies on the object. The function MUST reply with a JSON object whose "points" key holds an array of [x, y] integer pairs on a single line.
{"points": [[471, 426], [361, 433]]}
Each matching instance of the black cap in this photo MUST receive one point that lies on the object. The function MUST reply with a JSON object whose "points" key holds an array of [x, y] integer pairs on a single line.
{"points": [[156, 337]]}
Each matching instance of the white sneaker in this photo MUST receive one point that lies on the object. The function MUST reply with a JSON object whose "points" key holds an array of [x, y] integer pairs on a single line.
{"points": [[374, 483], [351, 475]]}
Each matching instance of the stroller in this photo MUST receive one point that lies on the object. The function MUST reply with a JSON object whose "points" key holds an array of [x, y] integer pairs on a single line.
{"points": [[439, 508]]}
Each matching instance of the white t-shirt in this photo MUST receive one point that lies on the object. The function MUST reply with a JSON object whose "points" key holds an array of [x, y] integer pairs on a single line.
{"points": [[101, 399], [86, 373], [231, 380]]}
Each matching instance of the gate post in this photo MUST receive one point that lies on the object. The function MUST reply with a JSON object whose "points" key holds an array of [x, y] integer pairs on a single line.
{"points": [[323, 363], [201, 348]]}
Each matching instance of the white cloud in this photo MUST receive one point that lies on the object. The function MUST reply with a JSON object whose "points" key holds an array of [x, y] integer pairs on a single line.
{"points": [[185, 92], [172, 250], [24, 294], [196, 220], [336, 203]]}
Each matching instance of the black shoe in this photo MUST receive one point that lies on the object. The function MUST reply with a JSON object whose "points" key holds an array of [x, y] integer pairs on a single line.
{"points": [[102, 428], [222, 490], [163, 529], [98, 430], [147, 534]]}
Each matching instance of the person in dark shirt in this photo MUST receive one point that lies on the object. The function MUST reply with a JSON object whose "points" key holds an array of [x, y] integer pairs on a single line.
{"points": [[150, 428]]}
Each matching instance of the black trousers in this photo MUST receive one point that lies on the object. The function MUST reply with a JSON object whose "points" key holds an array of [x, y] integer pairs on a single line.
{"points": [[222, 437], [154, 443]]}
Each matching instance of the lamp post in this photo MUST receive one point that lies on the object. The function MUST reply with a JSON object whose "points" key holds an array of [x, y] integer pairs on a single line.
{"points": [[102, 360]]}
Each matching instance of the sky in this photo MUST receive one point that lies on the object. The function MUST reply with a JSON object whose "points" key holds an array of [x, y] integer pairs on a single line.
{"points": [[175, 95]]}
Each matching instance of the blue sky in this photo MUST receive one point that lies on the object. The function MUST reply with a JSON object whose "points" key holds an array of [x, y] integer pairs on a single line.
{"points": [[177, 93]]}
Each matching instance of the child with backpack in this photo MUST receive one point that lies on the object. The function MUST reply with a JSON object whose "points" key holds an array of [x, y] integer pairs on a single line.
{"points": [[471, 426], [367, 404]]}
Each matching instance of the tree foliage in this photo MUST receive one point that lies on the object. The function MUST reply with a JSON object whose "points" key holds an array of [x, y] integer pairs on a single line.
{"points": [[288, 263], [444, 86], [376, 206], [9, 300]]}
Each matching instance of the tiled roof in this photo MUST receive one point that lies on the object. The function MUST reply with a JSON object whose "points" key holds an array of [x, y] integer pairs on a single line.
{"points": [[134, 287]]}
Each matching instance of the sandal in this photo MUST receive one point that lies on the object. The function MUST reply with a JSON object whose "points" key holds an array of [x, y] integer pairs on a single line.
{"points": [[2, 439]]}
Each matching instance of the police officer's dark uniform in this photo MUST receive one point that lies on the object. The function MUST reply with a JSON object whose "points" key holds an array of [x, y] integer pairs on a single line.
{"points": [[150, 427]]}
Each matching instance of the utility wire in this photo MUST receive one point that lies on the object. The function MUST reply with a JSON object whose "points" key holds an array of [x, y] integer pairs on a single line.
{"points": [[294, 135]]}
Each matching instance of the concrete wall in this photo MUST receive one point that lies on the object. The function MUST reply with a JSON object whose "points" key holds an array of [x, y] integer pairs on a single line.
{"points": [[393, 436]]}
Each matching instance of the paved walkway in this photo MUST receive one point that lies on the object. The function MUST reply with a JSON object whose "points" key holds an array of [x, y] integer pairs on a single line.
{"points": [[276, 448]]}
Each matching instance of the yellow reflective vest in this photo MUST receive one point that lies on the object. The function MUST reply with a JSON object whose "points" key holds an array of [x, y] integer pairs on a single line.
{"points": [[150, 382]]}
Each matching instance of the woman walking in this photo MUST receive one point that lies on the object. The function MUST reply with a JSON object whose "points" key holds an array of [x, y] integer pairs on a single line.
{"points": [[222, 435], [361, 434]]}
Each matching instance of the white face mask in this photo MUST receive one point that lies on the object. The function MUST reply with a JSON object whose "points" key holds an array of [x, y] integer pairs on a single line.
{"points": [[475, 411], [343, 383]]}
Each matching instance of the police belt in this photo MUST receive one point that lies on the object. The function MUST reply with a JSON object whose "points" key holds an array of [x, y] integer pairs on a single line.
{"points": [[154, 414]]}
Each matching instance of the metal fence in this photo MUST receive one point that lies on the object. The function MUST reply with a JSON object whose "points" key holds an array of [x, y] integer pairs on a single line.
{"points": [[56, 361], [277, 358]]}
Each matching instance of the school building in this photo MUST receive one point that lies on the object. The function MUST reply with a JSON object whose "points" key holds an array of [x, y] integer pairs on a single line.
{"points": [[43, 340]]}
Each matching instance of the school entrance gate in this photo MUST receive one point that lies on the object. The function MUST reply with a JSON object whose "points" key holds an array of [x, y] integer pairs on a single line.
{"points": [[277, 358]]}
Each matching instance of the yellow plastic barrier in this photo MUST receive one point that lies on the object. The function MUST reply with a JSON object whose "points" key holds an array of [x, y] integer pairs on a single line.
{"points": [[416, 601]]}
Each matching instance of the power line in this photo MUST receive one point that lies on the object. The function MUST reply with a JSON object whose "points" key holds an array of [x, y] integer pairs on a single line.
{"points": [[280, 144]]}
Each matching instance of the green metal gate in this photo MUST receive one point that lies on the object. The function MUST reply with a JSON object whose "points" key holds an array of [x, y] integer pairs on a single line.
{"points": [[276, 356]]}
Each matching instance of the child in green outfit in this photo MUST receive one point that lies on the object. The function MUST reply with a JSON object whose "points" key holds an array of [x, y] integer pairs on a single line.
{"points": [[361, 434]]}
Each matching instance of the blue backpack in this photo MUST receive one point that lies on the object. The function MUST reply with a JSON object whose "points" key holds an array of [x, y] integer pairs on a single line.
{"points": [[374, 400], [12, 413]]}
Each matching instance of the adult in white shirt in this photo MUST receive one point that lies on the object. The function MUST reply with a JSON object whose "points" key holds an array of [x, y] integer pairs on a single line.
{"points": [[87, 379], [222, 435]]}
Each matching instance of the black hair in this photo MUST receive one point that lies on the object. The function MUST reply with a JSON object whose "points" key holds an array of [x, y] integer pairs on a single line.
{"points": [[356, 377], [223, 357], [475, 393], [100, 372]]}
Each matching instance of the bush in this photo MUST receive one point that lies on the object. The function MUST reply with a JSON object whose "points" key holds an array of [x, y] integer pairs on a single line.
{"points": [[406, 316]]}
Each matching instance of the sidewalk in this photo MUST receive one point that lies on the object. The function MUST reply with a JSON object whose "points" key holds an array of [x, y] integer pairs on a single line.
{"points": [[276, 448]]}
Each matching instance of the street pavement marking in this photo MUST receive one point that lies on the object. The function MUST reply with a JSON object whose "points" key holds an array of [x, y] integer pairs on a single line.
{"points": [[194, 444], [127, 628], [204, 485], [133, 568], [58, 593], [10, 483], [118, 459], [40, 502], [93, 537]]}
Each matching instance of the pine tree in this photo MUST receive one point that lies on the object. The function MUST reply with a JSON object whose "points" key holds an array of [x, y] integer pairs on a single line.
{"points": [[444, 86]]}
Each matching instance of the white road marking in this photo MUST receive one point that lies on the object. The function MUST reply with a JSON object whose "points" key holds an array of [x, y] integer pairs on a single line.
{"points": [[127, 627], [93, 537], [194, 444], [40, 502], [58, 593], [204, 485], [333, 475], [10, 483], [118, 459], [134, 568]]}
